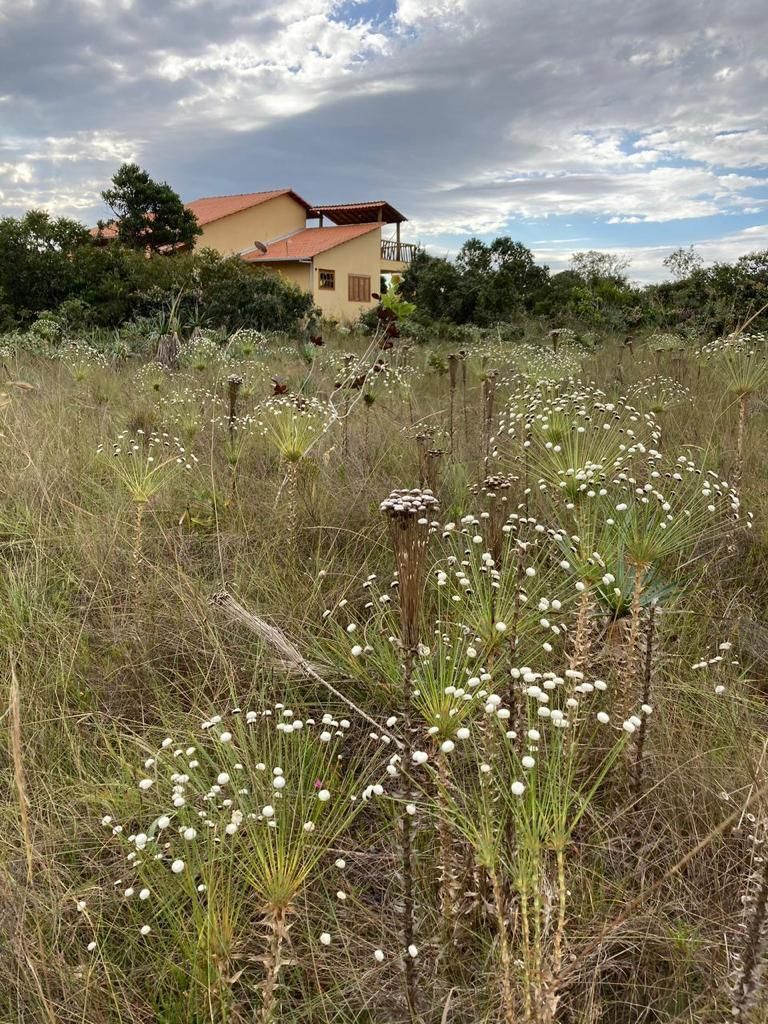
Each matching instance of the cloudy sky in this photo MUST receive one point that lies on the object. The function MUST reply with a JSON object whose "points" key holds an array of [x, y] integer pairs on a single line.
{"points": [[569, 124]]}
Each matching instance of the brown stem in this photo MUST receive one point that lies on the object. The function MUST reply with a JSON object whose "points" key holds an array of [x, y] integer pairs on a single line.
{"points": [[637, 777], [739, 467], [292, 488], [273, 962], [138, 543], [505, 982], [632, 653], [406, 850], [449, 885]]}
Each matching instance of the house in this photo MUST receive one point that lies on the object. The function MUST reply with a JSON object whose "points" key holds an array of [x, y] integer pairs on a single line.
{"points": [[335, 252]]}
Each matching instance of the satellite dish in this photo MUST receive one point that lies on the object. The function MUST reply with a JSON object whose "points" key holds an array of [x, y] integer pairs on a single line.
{"points": [[260, 246]]}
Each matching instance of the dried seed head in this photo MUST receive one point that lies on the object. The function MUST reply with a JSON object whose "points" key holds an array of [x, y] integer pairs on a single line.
{"points": [[408, 513], [403, 504]]}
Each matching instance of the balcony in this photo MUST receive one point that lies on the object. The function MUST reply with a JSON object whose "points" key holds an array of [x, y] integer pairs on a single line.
{"points": [[394, 251]]}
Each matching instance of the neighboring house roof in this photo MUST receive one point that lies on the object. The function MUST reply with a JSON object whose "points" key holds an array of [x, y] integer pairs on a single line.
{"points": [[212, 208], [359, 213], [309, 242]]}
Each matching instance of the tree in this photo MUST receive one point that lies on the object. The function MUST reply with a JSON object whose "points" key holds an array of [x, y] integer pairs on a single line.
{"points": [[148, 214], [683, 262], [594, 266], [40, 263], [437, 287]]}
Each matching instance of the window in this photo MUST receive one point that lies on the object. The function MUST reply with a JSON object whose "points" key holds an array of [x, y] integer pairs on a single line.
{"points": [[359, 288], [327, 280]]}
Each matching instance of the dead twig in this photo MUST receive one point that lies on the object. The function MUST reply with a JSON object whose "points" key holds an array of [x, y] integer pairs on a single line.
{"points": [[290, 657]]}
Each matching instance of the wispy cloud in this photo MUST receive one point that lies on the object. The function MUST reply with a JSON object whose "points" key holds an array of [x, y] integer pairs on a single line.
{"points": [[473, 116]]}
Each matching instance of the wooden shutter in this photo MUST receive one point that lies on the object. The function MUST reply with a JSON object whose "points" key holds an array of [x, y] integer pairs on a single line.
{"points": [[359, 288]]}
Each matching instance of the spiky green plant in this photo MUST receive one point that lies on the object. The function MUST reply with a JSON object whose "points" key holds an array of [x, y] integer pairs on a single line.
{"points": [[224, 832]]}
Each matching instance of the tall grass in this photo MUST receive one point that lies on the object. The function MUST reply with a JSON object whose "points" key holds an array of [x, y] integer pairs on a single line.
{"points": [[286, 738]]}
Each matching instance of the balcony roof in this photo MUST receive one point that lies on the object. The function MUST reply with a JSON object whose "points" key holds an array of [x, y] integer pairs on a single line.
{"points": [[307, 243], [359, 213]]}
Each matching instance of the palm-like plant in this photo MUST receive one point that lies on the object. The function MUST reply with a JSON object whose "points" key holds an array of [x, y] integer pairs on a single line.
{"points": [[143, 464], [294, 424], [745, 367], [238, 822]]}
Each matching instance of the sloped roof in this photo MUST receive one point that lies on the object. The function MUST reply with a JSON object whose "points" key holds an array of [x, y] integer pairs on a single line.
{"points": [[309, 242], [211, 208], [359, 213]]}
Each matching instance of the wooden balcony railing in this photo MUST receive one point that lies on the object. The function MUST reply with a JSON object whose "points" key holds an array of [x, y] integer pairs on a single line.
{"points": [[403, 252]]}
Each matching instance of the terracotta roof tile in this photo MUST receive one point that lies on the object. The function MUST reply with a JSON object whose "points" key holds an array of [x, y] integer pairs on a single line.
{"points": [[358, 213], [309, 242], [211, 208]]}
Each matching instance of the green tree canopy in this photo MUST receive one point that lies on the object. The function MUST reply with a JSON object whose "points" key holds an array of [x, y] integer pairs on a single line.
{"points": [[39, 265], [148, 214], [487, 283]]}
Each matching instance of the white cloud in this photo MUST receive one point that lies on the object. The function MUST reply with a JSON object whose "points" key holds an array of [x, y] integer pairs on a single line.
{"points": [[16, 173], [647, 260], [470, 115]]}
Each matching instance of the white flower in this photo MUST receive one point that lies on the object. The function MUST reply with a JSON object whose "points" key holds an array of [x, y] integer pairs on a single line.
{"points": [[91, 946], [340, 863], [225, 737], [462, 733], [107, 819], [447, 746], [222, 778], [323, 796], [603, 718], [719, 690], [146, 783], [528, 761], [378, 954], [413, 951], [341, 895], [189, 834], [419, 757], [501, 627], [325, 737], [517, 788], [356, 651], [278, 782], [144, 894], [163, 821], [145, 929], [628, 726], [81, 905], [410, 808], [325, 939], [268, 811], [177, 867]]}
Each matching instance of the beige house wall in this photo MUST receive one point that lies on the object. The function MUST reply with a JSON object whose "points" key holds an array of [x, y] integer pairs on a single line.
{"points": [[296, 273], [358, 256], [262, 223]]}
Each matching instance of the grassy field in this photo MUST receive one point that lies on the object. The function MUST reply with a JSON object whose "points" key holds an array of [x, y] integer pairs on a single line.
{"points": [[277, 746]]}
